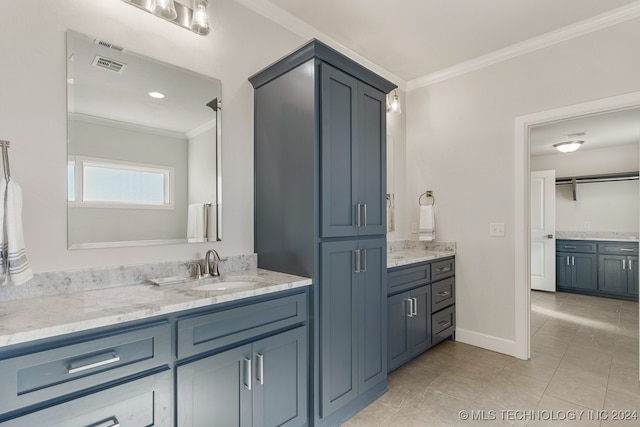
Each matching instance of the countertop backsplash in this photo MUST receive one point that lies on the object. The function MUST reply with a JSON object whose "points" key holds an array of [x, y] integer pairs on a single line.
{"points": [[88, 279]]}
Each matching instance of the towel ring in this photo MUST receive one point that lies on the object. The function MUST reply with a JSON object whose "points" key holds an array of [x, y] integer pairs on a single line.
{"points": [[428, 194]]}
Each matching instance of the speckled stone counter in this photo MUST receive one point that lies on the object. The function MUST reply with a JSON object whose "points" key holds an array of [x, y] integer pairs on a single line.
{"points": [[48, 316], [410, 252], [606, 236]]}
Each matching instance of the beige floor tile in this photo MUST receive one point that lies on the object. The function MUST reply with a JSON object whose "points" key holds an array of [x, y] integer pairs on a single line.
{"points": [[546, 344], [580, 391], [621, 409], [456, 386], [539, 367], [565, 413], [624, 379]]}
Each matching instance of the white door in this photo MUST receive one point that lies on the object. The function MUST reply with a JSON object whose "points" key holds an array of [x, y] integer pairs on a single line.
{"points": [[543, 228]]}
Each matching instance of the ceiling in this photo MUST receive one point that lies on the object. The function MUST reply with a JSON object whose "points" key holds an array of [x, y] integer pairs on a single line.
{"points": [[414, 39]]}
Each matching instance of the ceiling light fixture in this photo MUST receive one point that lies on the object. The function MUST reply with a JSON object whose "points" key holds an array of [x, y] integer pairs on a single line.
{"points": [[568, 146], [156, 95], [394, 106], [195, 20]]}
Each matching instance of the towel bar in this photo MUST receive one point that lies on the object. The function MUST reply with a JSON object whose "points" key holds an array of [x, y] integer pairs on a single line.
{"points": [[428, 194]]}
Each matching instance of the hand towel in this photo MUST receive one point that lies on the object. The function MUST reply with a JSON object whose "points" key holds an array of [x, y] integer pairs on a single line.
{"points": [[13, 255], [427, 223], [195, 223]]}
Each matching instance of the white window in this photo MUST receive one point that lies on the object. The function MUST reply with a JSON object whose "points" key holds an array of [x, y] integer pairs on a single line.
{"points": [[108, 183]]}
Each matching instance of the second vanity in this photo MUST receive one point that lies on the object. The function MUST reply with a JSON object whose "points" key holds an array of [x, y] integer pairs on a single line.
{"points": [[133, 355]]}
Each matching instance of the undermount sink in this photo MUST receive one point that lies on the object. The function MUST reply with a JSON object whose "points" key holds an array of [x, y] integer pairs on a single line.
{"points": [[221, 286]]}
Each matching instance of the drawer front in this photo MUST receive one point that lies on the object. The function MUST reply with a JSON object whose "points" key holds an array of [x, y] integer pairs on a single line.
{"points": [[44, 375], [443, 269], [442, 294], [443, 324], [141, 403], [576, 246], [210, 331], [616, 248], [408, 277]]}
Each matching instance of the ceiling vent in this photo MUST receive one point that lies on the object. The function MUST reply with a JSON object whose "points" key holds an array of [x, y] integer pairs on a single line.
{"points": [[108, 64], [109, 45]]}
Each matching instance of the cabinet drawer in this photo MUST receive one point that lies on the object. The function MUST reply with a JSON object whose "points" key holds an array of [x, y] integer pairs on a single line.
{"points": [[616, 248], [142, 403], [575, 246], [38, 376], [442, 294], [407, 278], [211, 331], [443, 324], [443, 269]]}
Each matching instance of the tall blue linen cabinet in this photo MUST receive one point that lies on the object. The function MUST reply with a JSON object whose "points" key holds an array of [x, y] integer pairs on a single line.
{"points": [[320, 211]]}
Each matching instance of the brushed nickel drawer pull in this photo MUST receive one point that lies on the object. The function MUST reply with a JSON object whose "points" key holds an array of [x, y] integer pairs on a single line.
{"points": [[260, 368], [410, 301], [626, 250], [443, 293], [444, 324], [415, 306], [111, 422], [444, 269], [569, 247], [624, 267], [364, 260], [247, 363], [358, 215], [113, 359]]}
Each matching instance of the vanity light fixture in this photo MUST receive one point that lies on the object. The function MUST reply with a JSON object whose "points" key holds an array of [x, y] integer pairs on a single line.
{"points": [[394, 106], [193, 19], [568, 146]]}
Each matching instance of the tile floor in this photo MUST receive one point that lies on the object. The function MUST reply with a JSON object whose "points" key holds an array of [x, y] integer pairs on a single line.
{"points": [[584, 358]]}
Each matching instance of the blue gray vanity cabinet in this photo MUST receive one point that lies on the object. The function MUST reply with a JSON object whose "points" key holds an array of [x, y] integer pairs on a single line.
{"points": [[89, 377], [576, 265], [230, 372], [320, 180], [618, 268], [261, 384], [421, 308]]}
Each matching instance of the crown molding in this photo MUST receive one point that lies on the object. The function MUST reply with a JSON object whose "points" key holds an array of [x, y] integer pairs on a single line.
{"points": [[598, 22], [301, 28]]}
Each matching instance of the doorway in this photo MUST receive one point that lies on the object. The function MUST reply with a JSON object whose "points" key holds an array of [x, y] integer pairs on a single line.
{"points": [[523, 126]]}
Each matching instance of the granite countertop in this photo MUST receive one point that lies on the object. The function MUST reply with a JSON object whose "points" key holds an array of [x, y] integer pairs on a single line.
{"points": [[406, 256], [48, 316], [602, 239]]}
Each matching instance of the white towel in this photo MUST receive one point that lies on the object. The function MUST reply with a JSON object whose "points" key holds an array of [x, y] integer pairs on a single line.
{"points": [[195, 223], [13, 255], [427, 223]]}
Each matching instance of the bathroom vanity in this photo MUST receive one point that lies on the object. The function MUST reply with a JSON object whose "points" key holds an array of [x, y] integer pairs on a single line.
{"points": [[148, 356]]}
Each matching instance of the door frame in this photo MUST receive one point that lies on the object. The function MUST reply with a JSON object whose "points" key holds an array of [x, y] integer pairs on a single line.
{"points": [[522, 223]]}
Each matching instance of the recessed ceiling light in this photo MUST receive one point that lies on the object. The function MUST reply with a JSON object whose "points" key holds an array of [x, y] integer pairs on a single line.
{"points": [[568, 146], [157, 95]]}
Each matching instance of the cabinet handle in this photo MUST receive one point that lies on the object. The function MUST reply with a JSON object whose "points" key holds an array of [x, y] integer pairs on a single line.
{"points": [[567, 259], [626, 250], [112, 359], [358, 215], [570, 247], [624, 264], [247, 363], [260, 374], [443, 293], [444, 269], [358, 260], [112, 422], [415, 306], [573, 260], [444, 323], [410, 301], [364, 260], [365, 215]]}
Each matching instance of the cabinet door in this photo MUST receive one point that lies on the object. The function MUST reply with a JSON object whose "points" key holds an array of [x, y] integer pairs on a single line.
{"points": [[612, 277], [632, 275], [372, 164], [563, 270], [338, 322], [421, 320], [372, 324], [338, 133], [216, 390], [398, 313], [585, 270], [280, 378]]}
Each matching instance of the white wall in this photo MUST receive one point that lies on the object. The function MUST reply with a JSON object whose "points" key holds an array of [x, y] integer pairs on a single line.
{"points": [[33, 111], [460, 144], [610, 206]]}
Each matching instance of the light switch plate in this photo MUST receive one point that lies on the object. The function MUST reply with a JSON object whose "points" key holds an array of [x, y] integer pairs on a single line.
{"points": [[496, 229]]}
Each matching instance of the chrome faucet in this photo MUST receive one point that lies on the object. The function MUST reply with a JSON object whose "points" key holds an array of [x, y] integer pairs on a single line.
{"points": [[211, 266]]}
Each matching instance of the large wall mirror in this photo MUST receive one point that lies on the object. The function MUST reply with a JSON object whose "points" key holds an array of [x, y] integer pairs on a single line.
{"points": [[144, 161]]}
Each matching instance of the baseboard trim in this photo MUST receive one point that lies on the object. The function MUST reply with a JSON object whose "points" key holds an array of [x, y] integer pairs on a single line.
{"points": [[488, 342]]}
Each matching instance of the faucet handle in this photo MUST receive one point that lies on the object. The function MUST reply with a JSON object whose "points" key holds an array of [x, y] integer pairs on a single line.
{"points": [[198, 268]]}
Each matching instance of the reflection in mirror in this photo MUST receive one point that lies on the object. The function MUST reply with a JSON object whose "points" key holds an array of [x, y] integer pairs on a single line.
{"points": [[144, 164], [390, 183]]}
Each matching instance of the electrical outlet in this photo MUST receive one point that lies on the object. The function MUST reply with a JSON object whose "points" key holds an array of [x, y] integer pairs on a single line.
{"points": [[414, 227], [496, 229]]}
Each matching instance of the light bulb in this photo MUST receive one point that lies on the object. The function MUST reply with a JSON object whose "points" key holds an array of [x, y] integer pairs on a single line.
{"points": [[164, 8], [200, 20], [394, 106], [568, 146]]}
